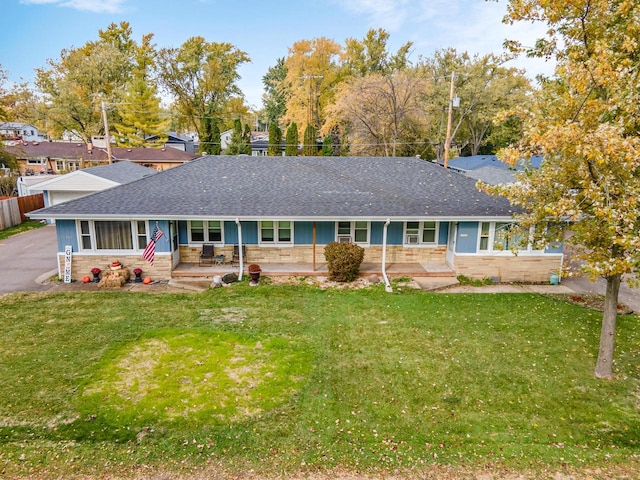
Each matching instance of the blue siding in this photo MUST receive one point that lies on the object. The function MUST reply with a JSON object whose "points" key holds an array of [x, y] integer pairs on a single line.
{"points": [[250, 233], [467, 240], [443, 233], [375, 235], [164, 244], [395, 231], [183, 234], [67, 235], [556, 247], [303, 233], [325, 232], [231, 233]]}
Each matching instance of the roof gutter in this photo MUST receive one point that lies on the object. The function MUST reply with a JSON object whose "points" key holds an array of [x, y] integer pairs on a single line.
{"points": [[387, 285]]}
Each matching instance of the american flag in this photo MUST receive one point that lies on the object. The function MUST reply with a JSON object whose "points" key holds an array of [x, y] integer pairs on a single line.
{"points": [[150, 250]]}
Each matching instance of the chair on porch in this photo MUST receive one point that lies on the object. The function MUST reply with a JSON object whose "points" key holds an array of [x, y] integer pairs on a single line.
{"points": [[236, 254], [206, 256]]}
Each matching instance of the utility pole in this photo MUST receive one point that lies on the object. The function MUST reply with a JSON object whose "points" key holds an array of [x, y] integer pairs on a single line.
{"points": [[448, 139], [106, 131]]}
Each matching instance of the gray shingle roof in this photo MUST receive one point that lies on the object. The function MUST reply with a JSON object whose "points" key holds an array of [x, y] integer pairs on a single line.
{"points": [[292, 187], [120, 172]]}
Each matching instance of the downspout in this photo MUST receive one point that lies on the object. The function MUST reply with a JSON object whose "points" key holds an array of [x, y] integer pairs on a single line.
{"points": [[387, 285], [240, 248]]}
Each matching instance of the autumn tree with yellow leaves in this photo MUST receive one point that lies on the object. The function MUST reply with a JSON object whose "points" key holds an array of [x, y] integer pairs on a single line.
{"points": [[585, 121]]}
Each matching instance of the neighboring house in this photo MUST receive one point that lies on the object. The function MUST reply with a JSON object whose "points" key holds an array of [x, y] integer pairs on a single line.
{"points": [[14, 132], [179, 142], [286, 209], [62, 188], [259, 143], [489, 168], [24, 184], [37, 158]]}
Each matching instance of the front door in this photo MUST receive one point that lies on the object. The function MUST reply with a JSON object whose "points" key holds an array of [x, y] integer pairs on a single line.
{"points": [[451, 242], [175, 246]]}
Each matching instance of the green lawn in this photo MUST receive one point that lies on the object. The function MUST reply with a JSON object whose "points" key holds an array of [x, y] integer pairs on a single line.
{"points": [[284, 379], [22, 227]]}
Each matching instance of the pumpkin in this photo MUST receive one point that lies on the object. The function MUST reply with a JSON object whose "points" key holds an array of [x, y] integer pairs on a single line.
{"points": [[86, 279], [147, 280]]}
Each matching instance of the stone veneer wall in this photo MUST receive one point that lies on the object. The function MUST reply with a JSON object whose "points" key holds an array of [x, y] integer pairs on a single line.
{"points": [[81, 265], [522, 268], [304, 254]]}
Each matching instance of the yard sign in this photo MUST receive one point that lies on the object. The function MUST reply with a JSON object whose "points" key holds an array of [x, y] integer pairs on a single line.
{"points": [[67, 263]]}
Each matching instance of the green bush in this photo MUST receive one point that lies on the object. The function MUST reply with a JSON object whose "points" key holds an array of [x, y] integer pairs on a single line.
{"points": [[343, 261]]}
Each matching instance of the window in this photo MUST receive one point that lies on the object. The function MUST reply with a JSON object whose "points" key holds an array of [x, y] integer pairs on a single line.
{"points": [[85, 235], [485, 229], [142, 234], [201, 231], [499, 237], [357, 232], [112, 235], [276, 232], [420, 233]]}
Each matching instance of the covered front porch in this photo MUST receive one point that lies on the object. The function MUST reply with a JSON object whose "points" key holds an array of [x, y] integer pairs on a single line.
{"points": [[416, 269]]}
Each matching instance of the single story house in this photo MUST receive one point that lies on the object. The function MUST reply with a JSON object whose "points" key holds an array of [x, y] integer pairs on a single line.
{"points": [[36, 158], [282, 210], [62, 188], [174, 140], [490, 169]]}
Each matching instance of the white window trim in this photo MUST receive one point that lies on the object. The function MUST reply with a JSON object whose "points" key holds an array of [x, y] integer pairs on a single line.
{"points": [[420, 243], [507, 252], [92, 237], [205, 226], [276, 230], [352, 232]]}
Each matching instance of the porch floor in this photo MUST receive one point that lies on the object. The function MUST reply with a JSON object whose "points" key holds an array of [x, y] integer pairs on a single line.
{"points": [[423, 269]]}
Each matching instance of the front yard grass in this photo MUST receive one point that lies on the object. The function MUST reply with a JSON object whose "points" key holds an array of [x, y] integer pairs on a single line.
{"points": [[282, 379], [22, 227]]}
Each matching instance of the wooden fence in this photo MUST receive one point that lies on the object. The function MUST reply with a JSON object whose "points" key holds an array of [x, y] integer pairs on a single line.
{"points": [[13, 210]]}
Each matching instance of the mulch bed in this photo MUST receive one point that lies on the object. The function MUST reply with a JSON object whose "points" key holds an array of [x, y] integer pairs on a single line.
{"points": [[595, 302]]}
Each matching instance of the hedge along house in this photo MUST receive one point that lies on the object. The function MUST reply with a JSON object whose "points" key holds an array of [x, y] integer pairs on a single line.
{"points": [[284, 210]]}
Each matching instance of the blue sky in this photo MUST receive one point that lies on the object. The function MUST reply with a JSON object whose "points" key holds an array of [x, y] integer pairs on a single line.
{"points": [[32, 31]]}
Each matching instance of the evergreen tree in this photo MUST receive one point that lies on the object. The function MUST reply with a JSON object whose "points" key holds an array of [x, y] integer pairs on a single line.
{"points": [[291, 147], [140, 114], [246, 139], [215, 148], [309, 149], [236, 145], [275, 140], [327, 146], [206, 131]]}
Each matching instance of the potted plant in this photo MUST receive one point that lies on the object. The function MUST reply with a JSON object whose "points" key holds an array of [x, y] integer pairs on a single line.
{"points": [[254, 273], [96, 274], [137, 272]]}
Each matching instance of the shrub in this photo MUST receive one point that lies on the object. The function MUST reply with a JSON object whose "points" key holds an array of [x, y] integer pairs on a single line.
{"points": [[343, 261]]}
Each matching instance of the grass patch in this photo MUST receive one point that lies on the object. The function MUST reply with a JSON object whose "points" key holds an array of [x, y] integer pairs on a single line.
{"points": [[283, 378], [23, 227]]}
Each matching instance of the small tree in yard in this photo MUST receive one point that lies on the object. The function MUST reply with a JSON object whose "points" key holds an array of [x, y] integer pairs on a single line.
{"points": [[291, 142], [344, 260], [584, 122]]}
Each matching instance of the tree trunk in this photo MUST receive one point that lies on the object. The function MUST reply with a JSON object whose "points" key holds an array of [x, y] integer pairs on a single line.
{"points": [[607, 335]]}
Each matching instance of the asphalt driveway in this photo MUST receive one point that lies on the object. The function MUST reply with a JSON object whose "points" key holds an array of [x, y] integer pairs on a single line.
{"points": [[25, 257]]}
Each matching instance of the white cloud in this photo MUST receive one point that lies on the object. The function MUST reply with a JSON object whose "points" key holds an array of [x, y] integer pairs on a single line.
{"points": [[95, 6]]}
